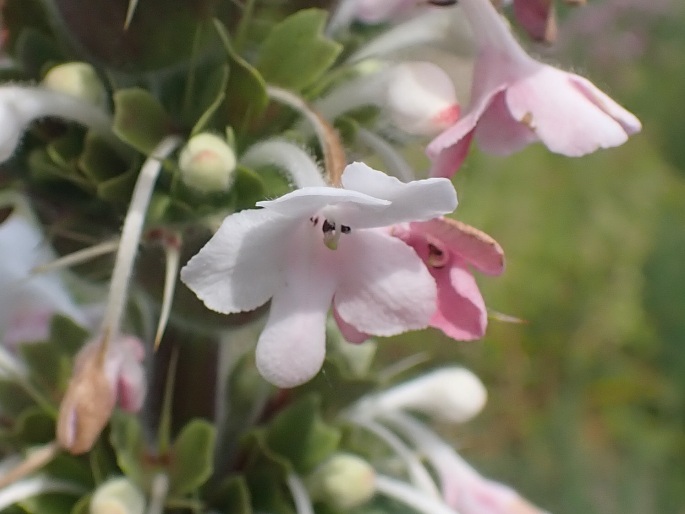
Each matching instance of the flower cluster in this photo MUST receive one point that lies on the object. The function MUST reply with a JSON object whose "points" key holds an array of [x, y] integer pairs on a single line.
{"points": [[238, 159]]}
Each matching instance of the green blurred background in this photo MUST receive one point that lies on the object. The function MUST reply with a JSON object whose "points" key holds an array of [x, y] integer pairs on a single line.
{"points": [[587, 399]]}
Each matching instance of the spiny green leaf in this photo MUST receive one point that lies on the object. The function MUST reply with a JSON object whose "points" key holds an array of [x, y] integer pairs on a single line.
{"points": [[296, 53]]}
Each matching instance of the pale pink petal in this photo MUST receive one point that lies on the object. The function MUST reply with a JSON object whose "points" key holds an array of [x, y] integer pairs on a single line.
{"points": [[131, 386], [349, 333], [461, 312], [626, 119], [500, 134], [448, 162], [387, 292], [474, 246], [537, 17], [409, 199], [240, 267], [292, 347], [561, 115]]}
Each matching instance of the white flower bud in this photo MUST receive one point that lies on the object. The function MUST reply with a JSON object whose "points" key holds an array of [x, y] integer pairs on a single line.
{"points": [[207, 163], [453, 395], [117, 496], [421, 99], [79, 80], [344, 481]]}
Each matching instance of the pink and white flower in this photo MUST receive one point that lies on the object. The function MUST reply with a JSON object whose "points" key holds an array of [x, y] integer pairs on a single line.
{"points": [[517, 100], [463, 488], [318, 246], [448, 249]]}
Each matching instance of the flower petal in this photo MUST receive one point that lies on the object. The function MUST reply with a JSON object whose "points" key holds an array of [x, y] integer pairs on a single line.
{"points": [[448, 162], [562, 116], [384, 288], [240, 267], [461, 312], [500, 134], [308, 200], [292, 347], [626, 119], [475, 247], [349, 333], [411, 201]]}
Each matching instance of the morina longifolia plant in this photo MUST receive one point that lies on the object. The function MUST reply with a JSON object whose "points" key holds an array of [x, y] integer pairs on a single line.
{"points": [[210, 211]]}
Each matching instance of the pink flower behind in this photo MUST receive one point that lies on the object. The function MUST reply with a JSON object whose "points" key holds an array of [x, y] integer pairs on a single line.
{"points": [[517, 100], [538, 18], [448, 248]]}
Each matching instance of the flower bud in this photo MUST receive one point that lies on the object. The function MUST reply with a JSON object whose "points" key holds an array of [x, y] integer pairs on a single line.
{"points": [[207, 163], [117, 496], [344, 481], [453, 395], [79, 80], [100, 378], [421, 99]]}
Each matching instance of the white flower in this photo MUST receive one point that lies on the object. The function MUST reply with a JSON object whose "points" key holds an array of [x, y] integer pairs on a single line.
{"points": [[284, 252]]}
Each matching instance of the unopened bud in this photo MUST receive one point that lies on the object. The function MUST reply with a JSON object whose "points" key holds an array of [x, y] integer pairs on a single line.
{"points": [[207, 163], [421, 99], [453, 395], [344, 481], [88, 403], [100, 378], [117, 496], [79, 80]]}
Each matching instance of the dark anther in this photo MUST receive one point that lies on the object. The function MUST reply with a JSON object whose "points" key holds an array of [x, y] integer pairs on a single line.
{"points": [[314, 220], [345, 229], [327, 227], [442, 3]]}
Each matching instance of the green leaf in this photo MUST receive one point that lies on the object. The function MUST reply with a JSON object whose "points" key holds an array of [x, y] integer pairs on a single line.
{"points": [[34, 426], [82, 506], [217, 97], [118, 189], [35, 50], [246, 88], [13, 398], [192, 457], [299, 434], [67, 335], [51, 503], [126, 436], [248, 188], [98, 161], [139, 119], [233, 496], [296, 54], [47, 365]]}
